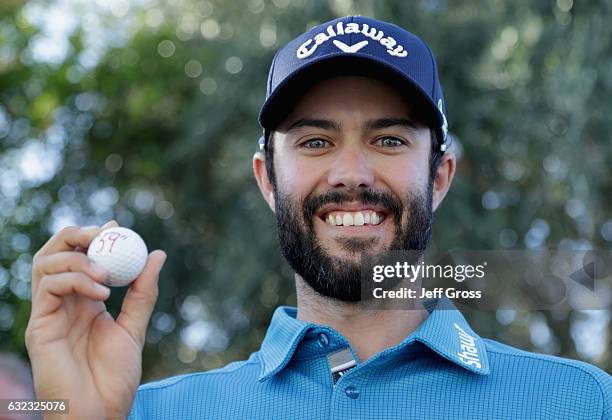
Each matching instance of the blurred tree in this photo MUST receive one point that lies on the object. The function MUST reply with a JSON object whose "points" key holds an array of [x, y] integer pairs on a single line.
{"points": [[148, 115]]}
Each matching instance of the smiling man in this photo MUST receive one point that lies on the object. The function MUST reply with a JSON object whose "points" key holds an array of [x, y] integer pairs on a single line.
{"points": [[353, 162]]}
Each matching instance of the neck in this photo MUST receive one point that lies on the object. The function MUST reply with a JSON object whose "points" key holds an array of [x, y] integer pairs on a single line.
{"points": [[369, 331]]}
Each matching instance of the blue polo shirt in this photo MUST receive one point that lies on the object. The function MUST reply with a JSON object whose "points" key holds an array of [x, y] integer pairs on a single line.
{"points": [[442, 370]]}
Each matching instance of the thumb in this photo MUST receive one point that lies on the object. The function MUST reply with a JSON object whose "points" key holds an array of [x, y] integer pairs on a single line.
{"points": [[141, 297]]}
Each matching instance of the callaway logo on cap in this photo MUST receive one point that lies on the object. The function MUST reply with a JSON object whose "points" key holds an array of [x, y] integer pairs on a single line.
{"points": [[356, 45], [333, 31]]}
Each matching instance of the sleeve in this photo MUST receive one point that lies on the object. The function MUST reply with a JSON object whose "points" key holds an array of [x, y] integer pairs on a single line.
{"points": [[606, 389]]}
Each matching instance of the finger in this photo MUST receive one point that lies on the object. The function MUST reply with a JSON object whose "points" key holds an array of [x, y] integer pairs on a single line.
{"points": [[141, 297], [63, 262], [67, 239], [71, 237], [53, 288]]}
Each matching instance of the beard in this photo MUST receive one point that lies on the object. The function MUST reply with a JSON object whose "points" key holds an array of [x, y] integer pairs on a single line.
{"points": [[340, 278]]}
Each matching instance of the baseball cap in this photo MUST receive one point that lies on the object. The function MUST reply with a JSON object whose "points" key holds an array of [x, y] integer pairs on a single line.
{"points": [[362, 46]]}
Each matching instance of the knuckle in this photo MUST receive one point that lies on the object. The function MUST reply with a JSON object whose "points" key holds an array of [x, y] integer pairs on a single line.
{"points": [[38, 260], [81, 278], [30, 335], [68, 230], [28, 338], [76, 260], [36, 257], [44, 283], [36, 263], [149, 297], [153, 295]]}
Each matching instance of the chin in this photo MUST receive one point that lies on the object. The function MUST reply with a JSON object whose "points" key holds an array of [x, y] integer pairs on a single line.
{"points": [[352, 249]]}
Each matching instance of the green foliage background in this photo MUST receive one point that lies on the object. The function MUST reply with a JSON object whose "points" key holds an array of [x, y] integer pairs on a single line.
{"points": [[152, 120]]}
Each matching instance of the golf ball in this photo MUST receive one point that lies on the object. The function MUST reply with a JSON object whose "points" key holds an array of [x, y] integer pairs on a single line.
{"points": [[121, 252]]}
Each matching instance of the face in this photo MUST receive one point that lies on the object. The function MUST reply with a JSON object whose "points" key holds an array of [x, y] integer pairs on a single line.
{"points": [[352, 179]]}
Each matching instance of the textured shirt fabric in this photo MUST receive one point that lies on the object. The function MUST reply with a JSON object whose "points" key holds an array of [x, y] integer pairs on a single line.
{"points": [[442, 370]]}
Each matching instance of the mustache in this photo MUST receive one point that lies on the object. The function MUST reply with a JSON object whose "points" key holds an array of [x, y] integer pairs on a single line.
{"points": [[389, 201]]}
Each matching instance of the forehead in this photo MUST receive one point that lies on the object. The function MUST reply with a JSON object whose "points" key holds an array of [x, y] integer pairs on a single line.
{"points": [[351, 97]]}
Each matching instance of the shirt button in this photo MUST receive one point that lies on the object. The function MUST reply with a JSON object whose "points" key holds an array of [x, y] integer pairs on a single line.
{"points": [[351, 392], [323, 340]]}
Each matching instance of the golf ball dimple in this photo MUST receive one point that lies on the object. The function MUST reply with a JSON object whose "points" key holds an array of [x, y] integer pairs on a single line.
{"points": [[121, 252]]}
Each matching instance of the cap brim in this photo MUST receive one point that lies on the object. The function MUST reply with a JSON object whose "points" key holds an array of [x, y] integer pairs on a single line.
{"points": [[281, 102]]}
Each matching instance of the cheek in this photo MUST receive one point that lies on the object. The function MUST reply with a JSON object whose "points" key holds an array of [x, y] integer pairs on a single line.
{"points": [[298, 177], [402, 175]]}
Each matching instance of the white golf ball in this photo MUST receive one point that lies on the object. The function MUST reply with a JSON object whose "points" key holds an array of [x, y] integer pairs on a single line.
{"points": [[121, 252]]}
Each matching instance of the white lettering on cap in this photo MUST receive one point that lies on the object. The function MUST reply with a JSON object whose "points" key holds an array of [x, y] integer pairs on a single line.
{"points": [[310, 45]]}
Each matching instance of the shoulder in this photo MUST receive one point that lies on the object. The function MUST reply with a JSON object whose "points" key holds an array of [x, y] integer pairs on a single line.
{"points": [[557, 375], [499, 350], [201, 387], [242, 368]]}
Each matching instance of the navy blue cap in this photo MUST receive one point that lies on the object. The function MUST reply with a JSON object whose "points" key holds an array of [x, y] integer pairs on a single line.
{"points": [[356, 45]]}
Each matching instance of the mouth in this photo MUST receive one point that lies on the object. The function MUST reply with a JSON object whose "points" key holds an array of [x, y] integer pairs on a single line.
{"points": [[352, 215]]}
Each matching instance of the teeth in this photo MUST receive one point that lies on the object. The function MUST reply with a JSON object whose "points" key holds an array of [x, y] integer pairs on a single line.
{"points": [[355, 219], [359, 221], [347, 220]]}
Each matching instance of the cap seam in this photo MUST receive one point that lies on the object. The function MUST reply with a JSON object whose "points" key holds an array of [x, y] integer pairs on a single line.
{"points": [[433, 88], [435, 72], [272, 69]]}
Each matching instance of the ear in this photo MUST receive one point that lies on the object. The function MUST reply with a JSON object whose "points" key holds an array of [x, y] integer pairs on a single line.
{"points": [[444, 178], [263, 182]]}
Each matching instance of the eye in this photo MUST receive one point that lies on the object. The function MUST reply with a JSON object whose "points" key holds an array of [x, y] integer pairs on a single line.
{"points": [[315, 144], [390, 142]]}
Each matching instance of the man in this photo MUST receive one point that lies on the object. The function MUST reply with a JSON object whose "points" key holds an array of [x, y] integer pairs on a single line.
{"points": [[353, 162]]}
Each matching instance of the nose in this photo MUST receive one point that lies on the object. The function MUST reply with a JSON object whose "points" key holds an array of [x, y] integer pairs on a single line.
{"points": [[351, 169]]}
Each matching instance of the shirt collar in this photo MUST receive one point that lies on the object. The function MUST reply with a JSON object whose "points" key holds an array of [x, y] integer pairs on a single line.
{"points": [[282, 338], [445, 331]]}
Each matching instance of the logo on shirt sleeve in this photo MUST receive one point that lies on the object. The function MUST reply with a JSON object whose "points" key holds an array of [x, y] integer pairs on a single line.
{"points": [[469, 351]]}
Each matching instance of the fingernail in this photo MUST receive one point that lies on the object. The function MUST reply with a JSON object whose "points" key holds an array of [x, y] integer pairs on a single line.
{"points": [[98, 271], [109, 224], [90, 227], [101, 288], [162, 262]]}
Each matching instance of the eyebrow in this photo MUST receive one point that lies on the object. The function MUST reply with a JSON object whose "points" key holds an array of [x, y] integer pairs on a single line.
{"points": [[316, 123], [389, 122], [369, 125]]}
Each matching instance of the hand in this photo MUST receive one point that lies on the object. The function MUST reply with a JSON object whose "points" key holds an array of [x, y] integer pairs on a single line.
{"points": [[77, 350]]}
